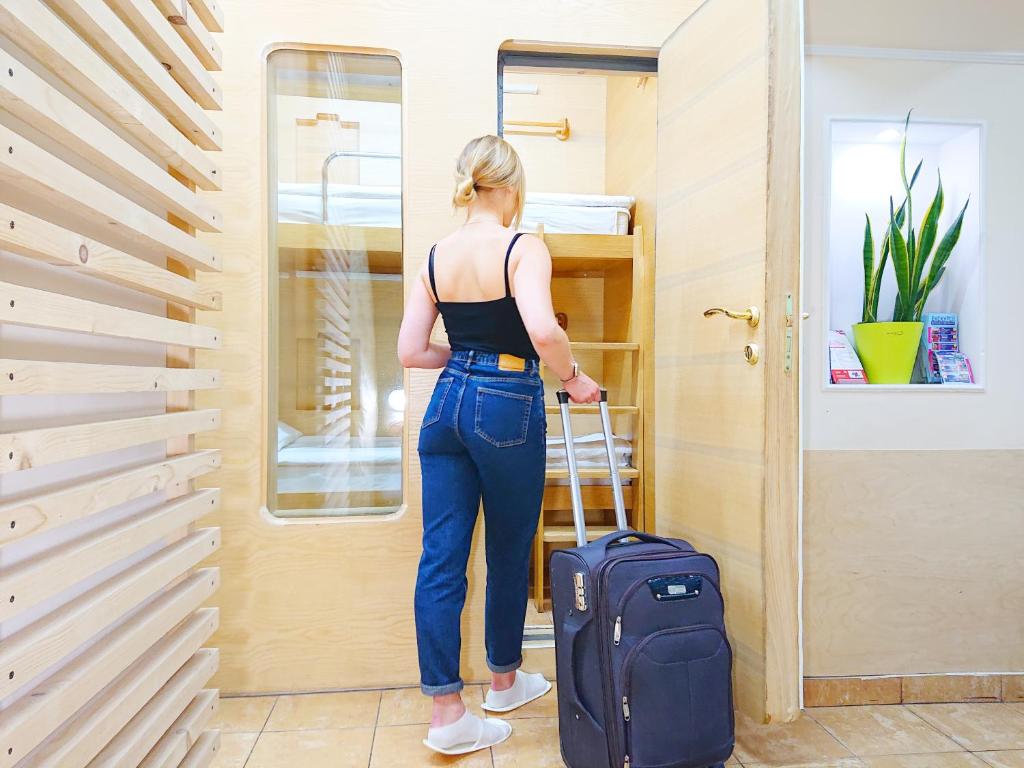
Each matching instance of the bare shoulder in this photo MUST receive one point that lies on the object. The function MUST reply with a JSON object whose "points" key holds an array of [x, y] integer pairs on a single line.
{"points": [[531, 246]]}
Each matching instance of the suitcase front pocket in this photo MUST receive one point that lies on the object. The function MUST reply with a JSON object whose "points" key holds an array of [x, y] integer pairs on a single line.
{"points": [[677, 699]]}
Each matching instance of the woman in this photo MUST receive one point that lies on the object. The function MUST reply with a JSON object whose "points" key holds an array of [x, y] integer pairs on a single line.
{"points": [[483, 435]]}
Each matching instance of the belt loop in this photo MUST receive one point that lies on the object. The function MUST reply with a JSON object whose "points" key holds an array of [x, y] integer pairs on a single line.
{"points": [[470, 360]]}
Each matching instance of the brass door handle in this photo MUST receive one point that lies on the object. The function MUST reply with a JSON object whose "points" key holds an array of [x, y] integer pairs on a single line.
{"points": [[751, 314]]}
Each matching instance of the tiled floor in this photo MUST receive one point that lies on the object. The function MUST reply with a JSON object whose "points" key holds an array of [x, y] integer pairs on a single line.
{"points": [[383, 729]]}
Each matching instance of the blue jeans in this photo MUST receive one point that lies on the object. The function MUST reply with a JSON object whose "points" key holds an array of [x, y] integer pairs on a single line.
{"points": [[483, 435]]}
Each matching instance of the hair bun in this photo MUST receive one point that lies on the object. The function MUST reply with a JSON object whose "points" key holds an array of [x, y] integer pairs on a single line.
{"points": [[465, 191]]}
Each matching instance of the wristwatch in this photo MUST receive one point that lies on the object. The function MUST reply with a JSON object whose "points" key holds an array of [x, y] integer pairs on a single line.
{"points": [[575, 373]]}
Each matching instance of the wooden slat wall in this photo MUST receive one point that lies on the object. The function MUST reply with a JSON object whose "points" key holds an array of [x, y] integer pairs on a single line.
{"points": [[105, 126]]}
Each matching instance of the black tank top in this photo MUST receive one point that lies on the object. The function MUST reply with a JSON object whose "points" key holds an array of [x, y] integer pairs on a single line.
{"points": [[487, 326]]}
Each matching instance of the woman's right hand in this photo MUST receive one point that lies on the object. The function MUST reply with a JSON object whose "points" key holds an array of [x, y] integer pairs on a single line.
{"points": [[583, 389]]}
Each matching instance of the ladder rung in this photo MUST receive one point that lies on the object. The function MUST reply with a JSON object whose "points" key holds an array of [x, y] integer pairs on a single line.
{"points": [[558, 534]]}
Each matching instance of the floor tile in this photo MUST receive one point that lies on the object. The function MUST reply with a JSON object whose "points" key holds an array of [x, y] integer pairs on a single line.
{"points": [[533, 744], [348, 748], [407, 706], [934, 760], [922, 689], [976, 727], [402, 747], [545, 706], [242, 714], [234, 750], [803, 742], [1011, 759], [882, 730], [320, 711]]}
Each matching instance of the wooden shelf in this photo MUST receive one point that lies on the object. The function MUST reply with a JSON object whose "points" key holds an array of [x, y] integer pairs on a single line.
{"points": [[562, 534], [605, 346], [585, 409], [303, 245], [625, 473]]}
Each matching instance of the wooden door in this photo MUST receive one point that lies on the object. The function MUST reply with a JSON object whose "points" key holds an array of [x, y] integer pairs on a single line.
{"points": [[726, 448]]}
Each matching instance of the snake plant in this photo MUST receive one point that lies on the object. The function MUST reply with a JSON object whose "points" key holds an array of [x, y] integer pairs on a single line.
{"points": [[917, 269]]}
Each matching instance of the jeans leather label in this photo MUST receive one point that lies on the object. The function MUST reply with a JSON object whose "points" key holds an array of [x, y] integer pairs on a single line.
{"points": [[511, 363]]}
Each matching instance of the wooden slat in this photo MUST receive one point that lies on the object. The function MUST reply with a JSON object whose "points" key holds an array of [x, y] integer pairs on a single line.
{"points": [[26, 723], [632, 410], [30, 236], [134, 741], [203, 751], [330, 364], [44, 185], [334, 350], [83, 736], [38, 447], [153, 29], [38, 578], [30, 98], [566, 534], [38, 377], [192, 30], [34, 514], [557, 497], [331, 400], [210, 13], [32, 650], [604, 247], [103, 30], [32, 307], [35, 28], [626, 473], [183, 733], [329, 331]]}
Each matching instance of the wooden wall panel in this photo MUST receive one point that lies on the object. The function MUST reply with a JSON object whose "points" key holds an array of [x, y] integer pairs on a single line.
{"points": [[893, 584], [297, 592], [103, 623]]}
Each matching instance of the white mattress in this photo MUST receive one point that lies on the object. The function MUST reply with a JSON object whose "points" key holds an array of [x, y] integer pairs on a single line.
{"points": [[382, 207], [311, 450]]}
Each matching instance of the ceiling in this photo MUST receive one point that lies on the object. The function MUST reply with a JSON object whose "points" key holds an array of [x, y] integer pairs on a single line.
{"points": [[941, 25]]}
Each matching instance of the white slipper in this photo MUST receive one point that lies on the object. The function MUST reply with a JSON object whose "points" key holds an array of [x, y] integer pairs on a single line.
{"points": [[467, 734], [525, 689]]}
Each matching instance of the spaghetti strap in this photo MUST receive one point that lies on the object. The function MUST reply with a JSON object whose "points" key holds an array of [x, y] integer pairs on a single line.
{"points": [[430, 271], [508, 287]]}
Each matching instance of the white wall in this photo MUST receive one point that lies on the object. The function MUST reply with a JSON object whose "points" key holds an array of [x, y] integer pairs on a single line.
{"points": [[925, 417], [576, 165]]}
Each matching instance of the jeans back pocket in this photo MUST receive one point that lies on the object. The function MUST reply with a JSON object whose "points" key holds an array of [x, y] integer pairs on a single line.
{"points": [[502, 418], [436, 404]]}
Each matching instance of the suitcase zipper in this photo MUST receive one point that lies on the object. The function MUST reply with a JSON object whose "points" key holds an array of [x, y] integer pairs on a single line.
{"points": [[603, 649], [627, 663], [621, 607]]}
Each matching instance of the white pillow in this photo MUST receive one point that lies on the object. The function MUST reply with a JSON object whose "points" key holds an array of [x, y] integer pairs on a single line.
{"points": [[286, 435]]}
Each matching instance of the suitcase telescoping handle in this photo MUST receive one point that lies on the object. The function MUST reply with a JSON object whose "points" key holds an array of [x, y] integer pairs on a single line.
{"points": [[574, 475]]}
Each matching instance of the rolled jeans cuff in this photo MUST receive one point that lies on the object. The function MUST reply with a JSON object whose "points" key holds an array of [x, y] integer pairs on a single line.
{"points": [[498, 669], [441, 690]]}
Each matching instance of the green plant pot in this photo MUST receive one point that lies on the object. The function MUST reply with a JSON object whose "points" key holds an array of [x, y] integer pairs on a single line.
{"points": [[887, 350]]}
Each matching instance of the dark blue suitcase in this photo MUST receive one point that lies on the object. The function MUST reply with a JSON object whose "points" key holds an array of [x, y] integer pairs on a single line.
{"points": [[643, 664]]}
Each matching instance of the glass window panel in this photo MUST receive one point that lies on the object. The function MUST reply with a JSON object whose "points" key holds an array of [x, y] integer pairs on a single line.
{"points": [[335, 174]]}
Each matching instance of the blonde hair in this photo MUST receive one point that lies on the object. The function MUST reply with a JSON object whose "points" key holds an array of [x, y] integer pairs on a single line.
{"points": [[490, 162]]}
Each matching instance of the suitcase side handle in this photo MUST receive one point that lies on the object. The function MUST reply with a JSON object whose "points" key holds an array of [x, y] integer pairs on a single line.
{"points": [[579, 523]]}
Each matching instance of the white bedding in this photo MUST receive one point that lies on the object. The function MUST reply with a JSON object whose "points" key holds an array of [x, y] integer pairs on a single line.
{"points": [[364, 206]]}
